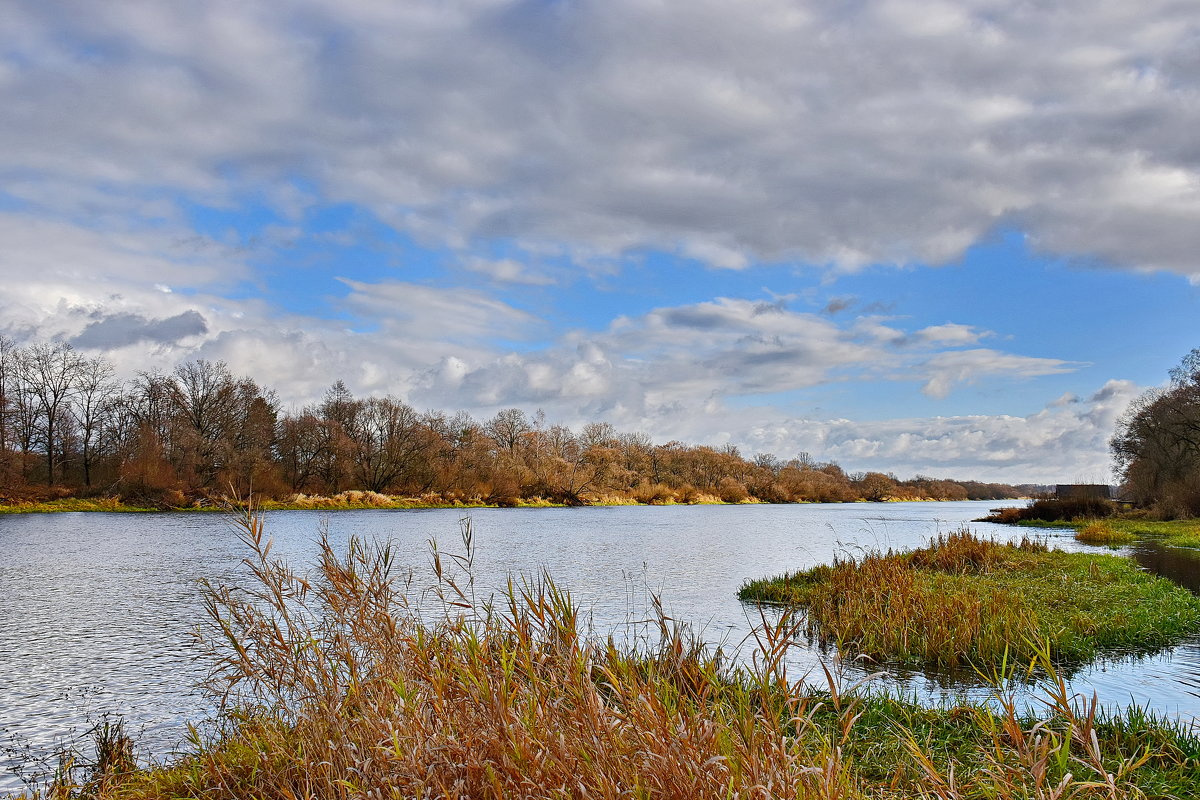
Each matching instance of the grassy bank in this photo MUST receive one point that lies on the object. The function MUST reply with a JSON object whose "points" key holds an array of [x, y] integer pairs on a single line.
{"points": [[347, 501], [965, 600], [66, 504], [338, 688], [1176, 532]]}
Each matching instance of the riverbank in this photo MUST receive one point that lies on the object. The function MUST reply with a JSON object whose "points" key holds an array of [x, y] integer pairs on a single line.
{"points": [[519, 703], [1175, 533], [968, 601], [363, 501], [116, 505]]}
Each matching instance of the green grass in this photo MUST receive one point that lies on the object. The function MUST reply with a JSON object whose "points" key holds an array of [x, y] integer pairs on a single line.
{"points": [[1176, 533], [1101, 532], [109, 504], [968, 601], [347, 692]]}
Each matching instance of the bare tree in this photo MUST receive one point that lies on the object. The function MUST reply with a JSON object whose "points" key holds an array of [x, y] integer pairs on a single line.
{"points": [[204, 395], [8, 366], [507, 428], [91, 406], [51, 374], [390, 442]]}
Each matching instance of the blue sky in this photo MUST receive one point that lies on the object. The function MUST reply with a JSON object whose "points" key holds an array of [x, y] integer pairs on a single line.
{"points": [[954, 238]]}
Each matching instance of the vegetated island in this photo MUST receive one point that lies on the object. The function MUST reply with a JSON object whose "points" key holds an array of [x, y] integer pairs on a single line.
{"points": [[1099, 521], [965, 600], [73, 438], [344, 690]]}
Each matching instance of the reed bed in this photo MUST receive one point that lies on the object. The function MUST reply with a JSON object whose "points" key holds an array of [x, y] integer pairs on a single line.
{"points": [[341, 683], [968, 601], [1101, 532]]}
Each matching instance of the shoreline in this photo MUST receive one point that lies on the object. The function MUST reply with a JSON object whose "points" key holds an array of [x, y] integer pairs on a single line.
{"points": [[114, 505]]}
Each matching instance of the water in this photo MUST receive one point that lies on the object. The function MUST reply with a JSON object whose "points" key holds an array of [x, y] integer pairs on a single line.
{"points": [[96, 610]]}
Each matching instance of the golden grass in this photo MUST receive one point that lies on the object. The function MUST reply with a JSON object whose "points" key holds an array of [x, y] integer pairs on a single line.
{"points": [[1102, 532], [967, 600], [339, 685]]}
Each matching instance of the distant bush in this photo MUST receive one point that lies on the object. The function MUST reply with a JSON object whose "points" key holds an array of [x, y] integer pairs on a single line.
{"points": [[654, 494], [732, 491], [1052, 509]]}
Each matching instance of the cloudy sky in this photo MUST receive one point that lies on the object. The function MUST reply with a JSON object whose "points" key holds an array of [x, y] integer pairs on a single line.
{"points": [[951, 238]]}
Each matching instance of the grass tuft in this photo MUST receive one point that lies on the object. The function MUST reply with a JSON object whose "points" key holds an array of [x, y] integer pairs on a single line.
{"points": [[1102, 532]]}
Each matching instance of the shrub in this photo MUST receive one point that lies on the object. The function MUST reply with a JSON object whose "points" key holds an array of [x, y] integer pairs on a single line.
{"points": [[732, 491], [1052, 509], [654, 494]]}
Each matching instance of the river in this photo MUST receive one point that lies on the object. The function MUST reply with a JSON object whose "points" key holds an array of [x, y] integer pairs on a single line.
{"points": [[96, 610]]}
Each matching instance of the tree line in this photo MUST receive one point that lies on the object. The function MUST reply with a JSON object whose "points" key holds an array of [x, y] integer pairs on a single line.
{"points": [[68, 424], [1156, 446]]}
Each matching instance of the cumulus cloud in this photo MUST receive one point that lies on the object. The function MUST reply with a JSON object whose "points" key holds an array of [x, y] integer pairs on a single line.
{"points": [[891, 131], [646, 369], [886, 131], [1054, 444], [119, 330]]}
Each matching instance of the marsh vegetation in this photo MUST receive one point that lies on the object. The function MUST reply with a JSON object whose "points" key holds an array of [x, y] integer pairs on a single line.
{"points": [[965, 601], [346, 681]]}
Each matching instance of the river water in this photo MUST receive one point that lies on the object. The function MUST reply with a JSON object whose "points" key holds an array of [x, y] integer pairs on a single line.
{"points": [[96, 610]]}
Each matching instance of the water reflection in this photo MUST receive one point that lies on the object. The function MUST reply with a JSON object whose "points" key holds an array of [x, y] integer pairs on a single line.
{"points": [[1175, 563], [98, 609]]}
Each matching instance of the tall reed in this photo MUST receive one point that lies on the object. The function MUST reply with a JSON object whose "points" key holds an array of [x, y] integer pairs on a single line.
{"points": [[339, 683]]}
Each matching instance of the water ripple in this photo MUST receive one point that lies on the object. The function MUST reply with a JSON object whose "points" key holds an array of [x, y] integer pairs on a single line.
{"points": [[99, 608]]}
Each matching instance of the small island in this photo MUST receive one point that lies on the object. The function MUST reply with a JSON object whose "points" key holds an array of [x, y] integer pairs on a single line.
{"points": [[967, 601]]}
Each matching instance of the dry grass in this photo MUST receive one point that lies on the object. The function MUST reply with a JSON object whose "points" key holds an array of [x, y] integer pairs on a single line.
{"points": [[1103, 533], [339, 685], [967, 600]]}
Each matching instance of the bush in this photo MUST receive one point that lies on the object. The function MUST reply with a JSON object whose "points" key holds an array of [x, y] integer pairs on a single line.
{"points": [[732, 491], [1052, 509], [654, 494]]}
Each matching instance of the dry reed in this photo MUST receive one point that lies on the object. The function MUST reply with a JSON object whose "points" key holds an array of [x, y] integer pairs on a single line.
{"points": [[342, 684]]}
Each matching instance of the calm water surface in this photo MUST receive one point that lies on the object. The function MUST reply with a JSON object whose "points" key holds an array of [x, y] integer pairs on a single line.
{"points": [[96, 610]]}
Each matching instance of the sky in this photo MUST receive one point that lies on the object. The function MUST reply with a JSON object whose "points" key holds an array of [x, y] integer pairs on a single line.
{"points": [[947, 238]]}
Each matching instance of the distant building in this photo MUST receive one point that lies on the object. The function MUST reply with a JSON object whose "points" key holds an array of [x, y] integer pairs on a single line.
{"points": [[1083, 491]]}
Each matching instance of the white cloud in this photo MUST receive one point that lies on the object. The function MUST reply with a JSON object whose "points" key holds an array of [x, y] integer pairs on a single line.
{"points": [[952, 334], [944, 370], [882, 131], [508, 270], [674, 362], [1051, 445], [582, 132]]}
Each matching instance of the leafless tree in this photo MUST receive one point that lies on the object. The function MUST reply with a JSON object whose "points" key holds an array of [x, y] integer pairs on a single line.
{"points": [[91, 406], [51, 372]]}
